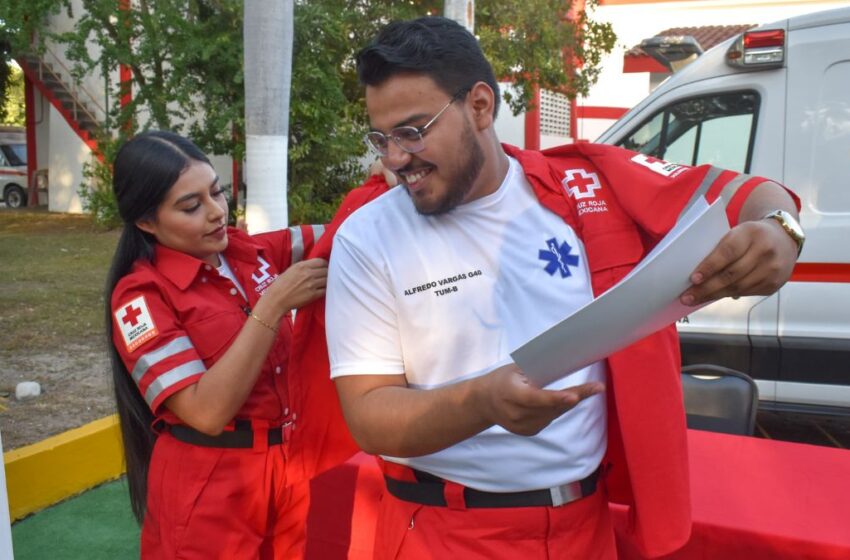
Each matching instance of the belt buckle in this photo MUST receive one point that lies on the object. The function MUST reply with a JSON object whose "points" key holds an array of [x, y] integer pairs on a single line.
{"points": [[566, 493]]}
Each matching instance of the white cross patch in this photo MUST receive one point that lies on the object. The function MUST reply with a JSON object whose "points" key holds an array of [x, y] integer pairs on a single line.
{"points": [[136, 323], [659, 165], [581, 184]]}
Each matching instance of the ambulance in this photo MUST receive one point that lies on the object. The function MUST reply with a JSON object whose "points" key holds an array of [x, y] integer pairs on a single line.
{"points": [[13, 166], [774, 102]]}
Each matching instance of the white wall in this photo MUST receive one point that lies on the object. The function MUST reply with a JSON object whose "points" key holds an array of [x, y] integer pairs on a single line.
{"points": [[68, 153], [90, 86], [634, 22], [509, 128], [5, 519], [42, 130]]}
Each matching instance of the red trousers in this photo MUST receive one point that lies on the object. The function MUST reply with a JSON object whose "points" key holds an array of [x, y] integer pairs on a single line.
{"points": [[580, 530], [207, 503]]}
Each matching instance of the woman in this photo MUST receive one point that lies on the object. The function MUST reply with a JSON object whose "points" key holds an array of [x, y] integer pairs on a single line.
{"points": [[200, 331]]}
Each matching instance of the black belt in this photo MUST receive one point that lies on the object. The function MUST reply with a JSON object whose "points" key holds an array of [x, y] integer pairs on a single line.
{"points": [[429, 491], [242, 436]]}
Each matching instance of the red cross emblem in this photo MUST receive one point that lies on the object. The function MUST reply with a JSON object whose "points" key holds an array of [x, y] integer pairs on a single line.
{"points": [[581, 184], [131, 315], [659, 165], [653, 159], [135, 322]]}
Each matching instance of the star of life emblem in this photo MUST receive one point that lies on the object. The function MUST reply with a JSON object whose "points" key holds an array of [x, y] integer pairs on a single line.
{"points": [[134, 320], [581, 183], [558, 258]]}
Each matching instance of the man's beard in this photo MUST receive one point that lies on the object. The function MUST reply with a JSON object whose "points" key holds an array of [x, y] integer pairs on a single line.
{"points": [[460, 183]]}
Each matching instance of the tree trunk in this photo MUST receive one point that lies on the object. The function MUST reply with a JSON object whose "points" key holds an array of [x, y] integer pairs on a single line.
{"points": [[462, 11], [268, 32]]}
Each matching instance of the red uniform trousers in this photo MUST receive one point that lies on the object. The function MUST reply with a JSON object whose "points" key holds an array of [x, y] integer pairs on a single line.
{"points": [[580, 530], [209, 502]]}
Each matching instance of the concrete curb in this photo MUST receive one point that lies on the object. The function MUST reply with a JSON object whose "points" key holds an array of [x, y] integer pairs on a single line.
{"points": [[47, 472]]}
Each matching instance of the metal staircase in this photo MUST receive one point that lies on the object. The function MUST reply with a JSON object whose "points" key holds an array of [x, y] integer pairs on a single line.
{"points": [[53, 79]]}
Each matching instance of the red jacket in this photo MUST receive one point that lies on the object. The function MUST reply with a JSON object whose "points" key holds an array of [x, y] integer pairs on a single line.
{"points": [[321, 439], [620, 204]]}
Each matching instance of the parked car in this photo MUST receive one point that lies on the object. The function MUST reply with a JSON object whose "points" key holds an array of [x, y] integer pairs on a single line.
{"points": [[13, 168], [774, 102]]}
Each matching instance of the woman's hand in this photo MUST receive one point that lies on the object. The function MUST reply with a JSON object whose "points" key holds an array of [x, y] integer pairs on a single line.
{"points": [[300, 284]]}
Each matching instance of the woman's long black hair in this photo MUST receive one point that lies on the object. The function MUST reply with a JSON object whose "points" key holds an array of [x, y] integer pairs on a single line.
{"points": [[145, 169]]}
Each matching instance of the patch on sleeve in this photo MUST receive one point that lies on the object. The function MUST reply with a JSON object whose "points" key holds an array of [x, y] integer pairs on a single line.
{"points": [[136, 323], [659, 165]]}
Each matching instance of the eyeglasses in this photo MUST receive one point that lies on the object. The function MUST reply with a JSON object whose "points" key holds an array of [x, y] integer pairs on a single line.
{"points": [[408, 138]]}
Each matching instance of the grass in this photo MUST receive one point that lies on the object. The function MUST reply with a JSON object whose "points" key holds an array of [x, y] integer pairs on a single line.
{"points": [[52, 272]]}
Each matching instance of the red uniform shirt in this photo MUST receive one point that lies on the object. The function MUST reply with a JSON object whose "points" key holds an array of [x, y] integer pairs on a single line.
{"points": [[174, 317], [620, 204]]}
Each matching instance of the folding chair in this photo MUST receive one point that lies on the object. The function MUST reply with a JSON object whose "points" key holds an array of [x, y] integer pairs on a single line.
{"points": [[719, 399]]}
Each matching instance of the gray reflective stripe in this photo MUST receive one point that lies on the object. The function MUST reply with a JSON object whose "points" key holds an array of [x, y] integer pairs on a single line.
{"points": [[707, 181], [297, 244], [729, 190], [169, 378], [147, 361], [318, 232]]}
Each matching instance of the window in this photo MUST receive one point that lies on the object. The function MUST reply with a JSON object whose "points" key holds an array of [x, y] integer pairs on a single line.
{"points": [[13, 154], [716, 129]]}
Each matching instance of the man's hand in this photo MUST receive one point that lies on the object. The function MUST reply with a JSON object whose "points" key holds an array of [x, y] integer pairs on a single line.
{"points": [[754, 258], [512, 402]]}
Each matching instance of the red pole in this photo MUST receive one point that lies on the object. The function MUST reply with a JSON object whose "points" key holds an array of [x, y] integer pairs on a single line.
{"points": [[125, 74], [234, 170], [573, 119], [532, 122], [32, 153], [235, 183], [577, 8]]}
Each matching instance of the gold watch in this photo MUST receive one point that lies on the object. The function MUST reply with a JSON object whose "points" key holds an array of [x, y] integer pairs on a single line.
{"points": [[791, 227]]}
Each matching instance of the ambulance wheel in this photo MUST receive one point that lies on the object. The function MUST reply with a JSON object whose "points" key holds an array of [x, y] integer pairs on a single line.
{"points": [[15, 196]]}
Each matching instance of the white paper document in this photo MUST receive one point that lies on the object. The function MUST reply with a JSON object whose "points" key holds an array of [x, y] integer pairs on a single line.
{"points": [[646, 300]]}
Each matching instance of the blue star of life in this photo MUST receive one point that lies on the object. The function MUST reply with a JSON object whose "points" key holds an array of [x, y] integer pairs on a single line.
{"points": [[558, 257]]}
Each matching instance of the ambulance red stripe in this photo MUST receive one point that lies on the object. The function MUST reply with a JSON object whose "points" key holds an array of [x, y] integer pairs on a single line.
{"points": [[821, 272]]}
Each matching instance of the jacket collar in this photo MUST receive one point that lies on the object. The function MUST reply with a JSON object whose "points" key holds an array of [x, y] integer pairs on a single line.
{"points": [[182, 269]]}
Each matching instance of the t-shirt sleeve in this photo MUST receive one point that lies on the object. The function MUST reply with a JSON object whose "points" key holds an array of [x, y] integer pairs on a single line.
{"points": [[155, 349], [360, 316]]}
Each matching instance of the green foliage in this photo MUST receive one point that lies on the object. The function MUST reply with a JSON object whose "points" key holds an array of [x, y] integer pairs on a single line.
{"points": [[13, 111], [185, 57], [20, 22], [96, 191], [533, 42]]}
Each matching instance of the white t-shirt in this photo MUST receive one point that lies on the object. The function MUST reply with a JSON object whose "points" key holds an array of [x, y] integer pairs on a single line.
{"points": [[448, 297]]}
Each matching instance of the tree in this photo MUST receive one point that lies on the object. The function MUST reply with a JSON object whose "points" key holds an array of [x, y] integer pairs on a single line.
{"points": [[20, 21], [13, 110], [186, 61]]}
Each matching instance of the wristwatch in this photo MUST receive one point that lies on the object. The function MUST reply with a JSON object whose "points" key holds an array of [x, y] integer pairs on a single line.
{"points": [[790, 225]]}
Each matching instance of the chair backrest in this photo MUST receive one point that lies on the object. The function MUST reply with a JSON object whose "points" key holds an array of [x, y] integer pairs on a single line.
{"points": [[719, 399]]}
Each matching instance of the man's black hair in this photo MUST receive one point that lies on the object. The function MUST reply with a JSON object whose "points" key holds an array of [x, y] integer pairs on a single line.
{"points": [[437, 47]]}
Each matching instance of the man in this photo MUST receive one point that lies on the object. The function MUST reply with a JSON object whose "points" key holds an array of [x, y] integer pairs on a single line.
{"points": [[433, 284]]}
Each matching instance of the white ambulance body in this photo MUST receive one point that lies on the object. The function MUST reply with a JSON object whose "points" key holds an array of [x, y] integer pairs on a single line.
{"points": [[773, 102]]}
